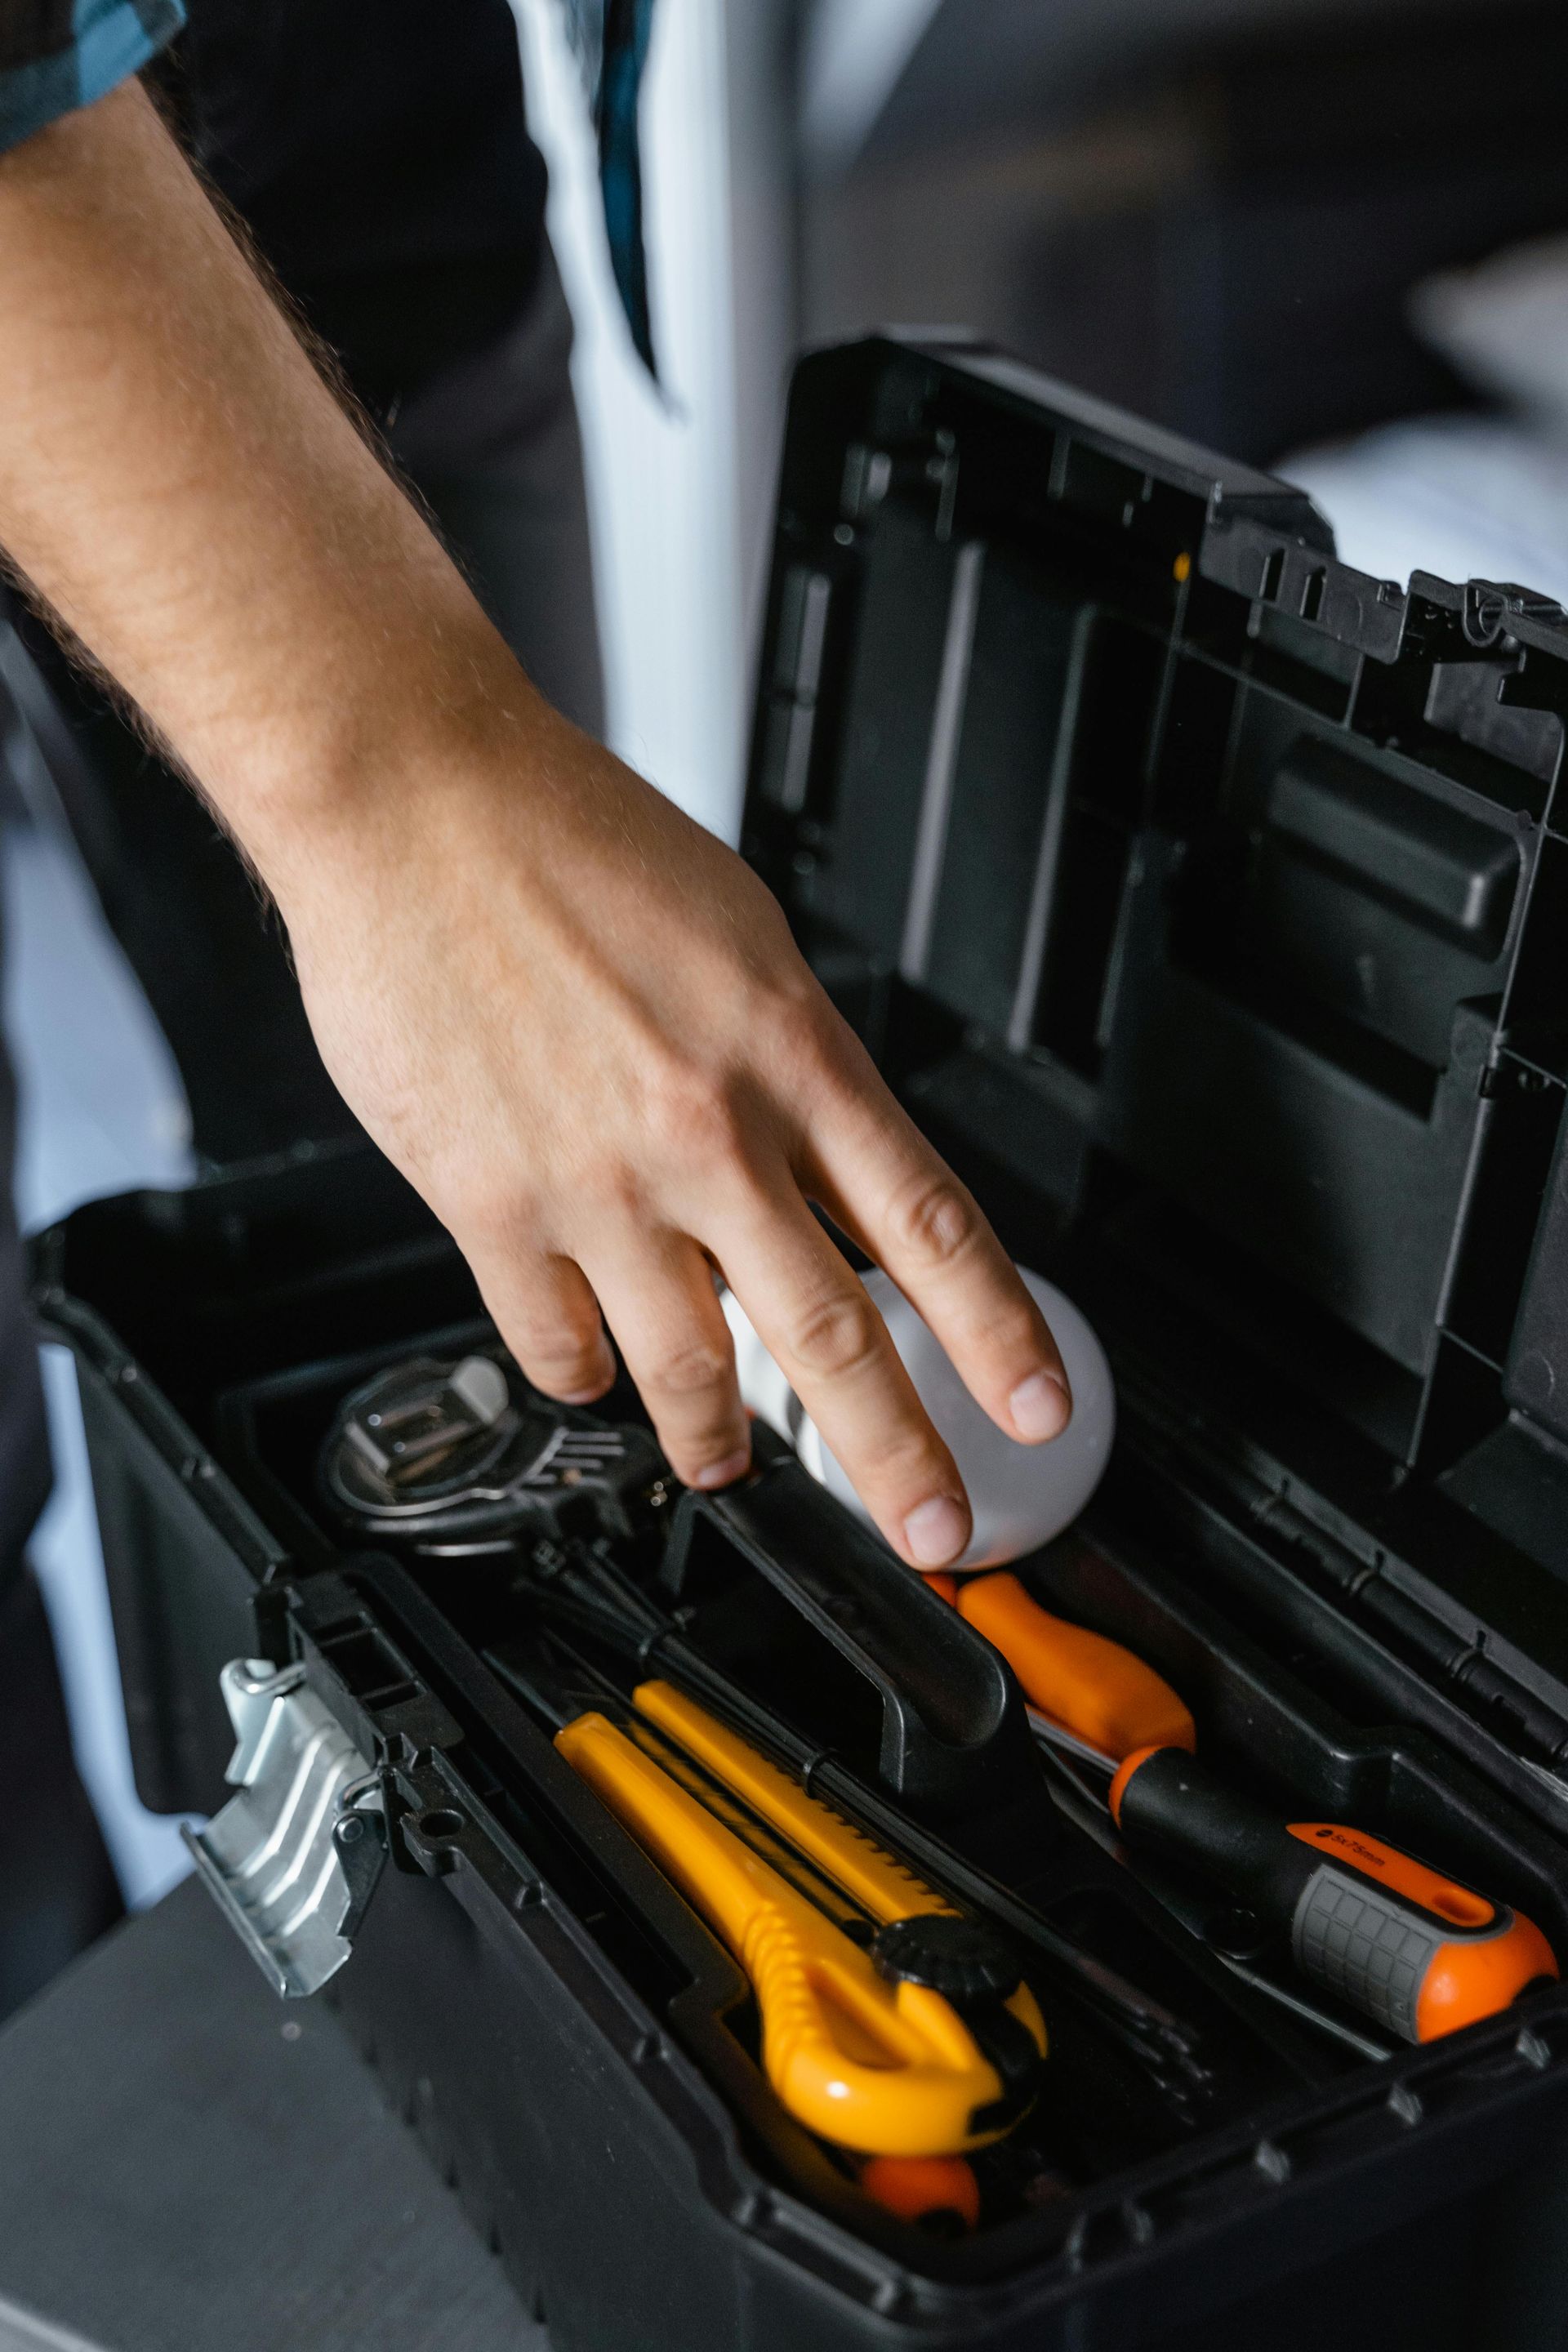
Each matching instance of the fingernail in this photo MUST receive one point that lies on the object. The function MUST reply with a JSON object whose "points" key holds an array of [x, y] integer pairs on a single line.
{"points": [[723, 1474], [936, 1531], [1040, 1407]]}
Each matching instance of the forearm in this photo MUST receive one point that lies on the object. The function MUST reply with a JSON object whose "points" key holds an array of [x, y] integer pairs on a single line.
{"points": [[181, 488]]}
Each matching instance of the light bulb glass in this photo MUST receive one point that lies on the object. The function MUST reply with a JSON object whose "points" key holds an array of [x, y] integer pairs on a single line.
{"points": [[1021, 1496]]}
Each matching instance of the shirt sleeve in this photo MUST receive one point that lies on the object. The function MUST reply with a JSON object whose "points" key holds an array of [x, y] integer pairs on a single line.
{"points": [[57, 54]]}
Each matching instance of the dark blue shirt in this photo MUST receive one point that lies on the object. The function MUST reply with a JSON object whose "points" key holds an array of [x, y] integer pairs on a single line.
{"points": [[377, 151]]}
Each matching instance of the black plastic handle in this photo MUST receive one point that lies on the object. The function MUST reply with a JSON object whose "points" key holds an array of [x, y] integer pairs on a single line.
{"points": [[953, 1729]]}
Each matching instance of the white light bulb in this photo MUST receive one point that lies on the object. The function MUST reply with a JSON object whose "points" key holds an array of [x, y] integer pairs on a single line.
{"points": [[1021, 1496]]}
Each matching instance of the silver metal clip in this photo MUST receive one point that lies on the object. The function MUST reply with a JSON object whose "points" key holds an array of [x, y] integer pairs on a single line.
{"points": [[293, 1859]]}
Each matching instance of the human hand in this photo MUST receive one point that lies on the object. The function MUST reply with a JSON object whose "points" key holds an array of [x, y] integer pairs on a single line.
{"points": [[579, 1025], [574, 1019]]}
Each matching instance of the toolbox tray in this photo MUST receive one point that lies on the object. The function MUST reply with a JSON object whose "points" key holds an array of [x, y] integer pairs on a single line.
{"points": [[1203, 900]]}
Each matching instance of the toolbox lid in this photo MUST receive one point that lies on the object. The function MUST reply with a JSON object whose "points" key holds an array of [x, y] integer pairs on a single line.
{"points": [[1207, 902]]}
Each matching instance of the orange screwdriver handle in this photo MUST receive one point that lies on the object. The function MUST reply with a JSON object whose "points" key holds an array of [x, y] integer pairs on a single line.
{"points": [[1096, 1689], [883, 2068]]}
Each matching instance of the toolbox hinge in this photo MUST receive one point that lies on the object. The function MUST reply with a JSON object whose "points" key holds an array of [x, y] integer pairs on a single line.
{"points": [[293, 1858], [1453, 1659]]}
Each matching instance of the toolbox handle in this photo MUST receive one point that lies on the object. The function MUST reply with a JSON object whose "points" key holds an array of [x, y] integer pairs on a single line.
{"points": [[954, 1731]]}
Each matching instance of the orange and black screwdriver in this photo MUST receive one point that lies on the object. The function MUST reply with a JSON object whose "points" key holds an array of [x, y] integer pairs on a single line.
{"points": [[1097, 1692], [1409, 1948]]}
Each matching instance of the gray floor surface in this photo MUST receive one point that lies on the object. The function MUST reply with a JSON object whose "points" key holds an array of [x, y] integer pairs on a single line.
{"points": [[186, 2162]]}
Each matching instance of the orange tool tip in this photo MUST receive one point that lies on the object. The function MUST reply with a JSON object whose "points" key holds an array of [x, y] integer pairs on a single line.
{"points": [[1125, 1771], [942, 1581], [938, 2192]]}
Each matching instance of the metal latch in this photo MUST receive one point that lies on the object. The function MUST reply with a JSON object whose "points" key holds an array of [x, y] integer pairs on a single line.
{"points": [[293, 1859]]}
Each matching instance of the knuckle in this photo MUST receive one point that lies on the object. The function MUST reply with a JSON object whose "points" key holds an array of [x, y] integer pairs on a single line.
{"points": [[612, 1191], [1013, 1330], [696, 1118], [549, 1353], [935, 1219], [694, 1449], [908, 1462], [492, 1216], [836, 1335], [557, 1358], [690, 1371], [803, 1037], [713, 1132], [571, 1385]]}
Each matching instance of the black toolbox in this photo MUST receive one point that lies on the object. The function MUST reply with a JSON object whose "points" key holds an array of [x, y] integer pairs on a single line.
{"points": [[1206, 901]]}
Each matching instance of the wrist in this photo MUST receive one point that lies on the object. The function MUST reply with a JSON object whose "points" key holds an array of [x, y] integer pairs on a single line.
{"points": [[363, 759]]}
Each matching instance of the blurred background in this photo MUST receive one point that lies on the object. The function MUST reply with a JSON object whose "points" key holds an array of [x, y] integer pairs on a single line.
{"points": [[1319, 236]]}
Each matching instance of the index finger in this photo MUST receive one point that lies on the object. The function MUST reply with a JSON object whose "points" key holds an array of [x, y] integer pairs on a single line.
{"points": [[822, 1329], [880, 1180]]}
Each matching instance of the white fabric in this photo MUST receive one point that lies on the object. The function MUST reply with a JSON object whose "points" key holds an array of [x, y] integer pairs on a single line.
{"points": [[1503, 325], [1467, 496], [1470, 497]]}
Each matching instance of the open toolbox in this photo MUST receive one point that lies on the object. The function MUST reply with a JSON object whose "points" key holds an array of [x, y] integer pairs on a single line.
{"points": [[1203, 900]]}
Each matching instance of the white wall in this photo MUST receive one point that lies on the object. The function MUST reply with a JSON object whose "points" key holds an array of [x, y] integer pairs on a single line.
{"points": [[853, 54]]}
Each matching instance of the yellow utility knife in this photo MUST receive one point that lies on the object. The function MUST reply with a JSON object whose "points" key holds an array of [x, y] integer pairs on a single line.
{"points": [[918, 2040]]}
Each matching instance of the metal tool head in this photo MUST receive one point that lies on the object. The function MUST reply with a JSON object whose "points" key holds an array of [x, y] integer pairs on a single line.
{"points": [[463, 1459]]}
